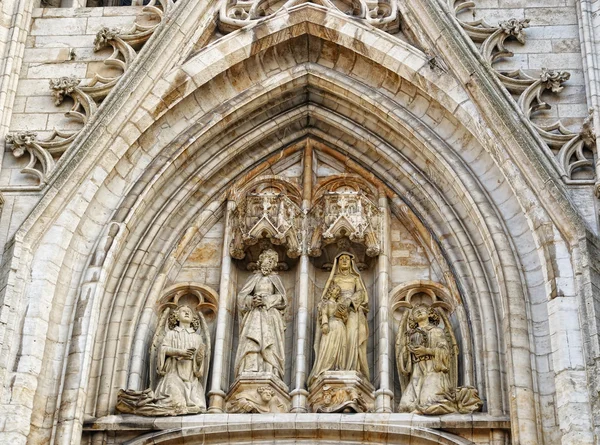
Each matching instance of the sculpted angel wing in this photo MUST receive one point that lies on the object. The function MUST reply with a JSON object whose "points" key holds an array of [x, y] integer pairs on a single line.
{"points": [[205, 334], [159, 335], [451, 339]]}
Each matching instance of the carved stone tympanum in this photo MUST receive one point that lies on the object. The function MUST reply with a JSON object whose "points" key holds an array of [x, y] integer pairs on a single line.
{"points": [[427, 361], [180, 352], [339, 380], [260, 358]]}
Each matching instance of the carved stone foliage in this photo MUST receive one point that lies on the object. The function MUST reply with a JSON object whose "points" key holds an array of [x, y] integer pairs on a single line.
{"points": [[427, 355], [268, 211], [180, 355], [571, 152], [235, 14], [86, 93], [341, 392], [344, 211]]}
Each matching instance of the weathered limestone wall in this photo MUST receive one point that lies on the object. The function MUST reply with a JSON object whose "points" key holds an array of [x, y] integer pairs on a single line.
{"points": [[531, 355]]}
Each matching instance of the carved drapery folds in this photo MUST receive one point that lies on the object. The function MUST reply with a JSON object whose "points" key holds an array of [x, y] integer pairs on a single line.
{"points": [[269, 210], [342, 210], [427, 353], [235, 14], [571, 152], [179, 356]]}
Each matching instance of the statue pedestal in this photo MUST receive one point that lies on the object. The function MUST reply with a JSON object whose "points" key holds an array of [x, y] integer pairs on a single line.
{"points": [[341, 392], [256, 392]]}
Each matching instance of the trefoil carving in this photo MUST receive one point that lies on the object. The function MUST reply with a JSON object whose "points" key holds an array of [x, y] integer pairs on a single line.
{"points": [[571, 152], [88, 93], [236, 14]]}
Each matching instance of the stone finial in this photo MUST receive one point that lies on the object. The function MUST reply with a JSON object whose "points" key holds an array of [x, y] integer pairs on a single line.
{"points": [[20, 141], [553, 80], [63, 86], [104, 36], [515, 27]]}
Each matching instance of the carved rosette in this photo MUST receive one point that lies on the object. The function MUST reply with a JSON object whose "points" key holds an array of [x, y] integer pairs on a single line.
{"points": [[342, 213], [268, 215]]}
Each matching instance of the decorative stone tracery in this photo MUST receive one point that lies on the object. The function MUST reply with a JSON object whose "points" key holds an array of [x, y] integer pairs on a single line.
{"points": [[269, 211], [343, 210]]}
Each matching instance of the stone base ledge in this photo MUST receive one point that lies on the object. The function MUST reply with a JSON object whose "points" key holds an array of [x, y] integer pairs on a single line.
{"points": [[300, 421]]}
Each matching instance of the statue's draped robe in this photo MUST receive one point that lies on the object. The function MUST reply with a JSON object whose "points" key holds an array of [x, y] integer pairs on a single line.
{"points": [[262, 330], [180, 385], [429, 383], [179, 390], [357, 328], [331, 348]]}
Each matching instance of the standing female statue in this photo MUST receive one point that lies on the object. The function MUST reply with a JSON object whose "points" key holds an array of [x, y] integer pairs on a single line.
{"points": [[331, 343], [181, 349], [261, 304], [345, 275], [426, 356]]}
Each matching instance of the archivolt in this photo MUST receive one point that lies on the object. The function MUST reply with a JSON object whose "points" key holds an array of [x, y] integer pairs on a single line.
{"points": [[375, 103]]}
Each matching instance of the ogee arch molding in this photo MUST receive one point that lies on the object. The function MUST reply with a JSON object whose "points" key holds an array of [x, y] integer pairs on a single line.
{"points": [[162, 174]]}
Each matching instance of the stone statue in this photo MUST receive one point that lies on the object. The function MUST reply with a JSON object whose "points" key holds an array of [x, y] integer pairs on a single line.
{"points": [[353, 292], [181, 349], [331, 343], [339, 380], [426, 356], [261, 304]]}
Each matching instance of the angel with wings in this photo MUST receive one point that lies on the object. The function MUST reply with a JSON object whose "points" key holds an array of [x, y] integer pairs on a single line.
{"points": [[180, 350], [427, 360]]}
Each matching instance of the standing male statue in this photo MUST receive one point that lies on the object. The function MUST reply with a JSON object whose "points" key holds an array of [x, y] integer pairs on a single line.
{"points": [[261, 304]]}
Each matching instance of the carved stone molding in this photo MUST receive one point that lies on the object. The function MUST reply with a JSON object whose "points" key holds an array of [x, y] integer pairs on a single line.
{"points": [[235, 14], [571, 152], [269, 210], [87, 93], [343, 210]]}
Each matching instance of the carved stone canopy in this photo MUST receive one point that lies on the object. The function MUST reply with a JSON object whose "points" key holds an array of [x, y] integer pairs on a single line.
{"points": [[267, 211], [344, 210]]}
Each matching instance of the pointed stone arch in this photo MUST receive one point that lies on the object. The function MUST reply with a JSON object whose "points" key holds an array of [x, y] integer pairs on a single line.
{"points": [[149, 186]]}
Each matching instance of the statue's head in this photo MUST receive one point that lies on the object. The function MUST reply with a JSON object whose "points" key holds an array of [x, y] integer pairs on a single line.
{"points": [[266, 393], [186, 315], [422, 312], [345, 261], [267, 261], [333, 292]]}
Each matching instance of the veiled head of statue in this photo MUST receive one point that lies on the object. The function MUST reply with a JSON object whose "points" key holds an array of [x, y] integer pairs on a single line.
{"points": [[184, 314], [422, 312], [267, 261]]}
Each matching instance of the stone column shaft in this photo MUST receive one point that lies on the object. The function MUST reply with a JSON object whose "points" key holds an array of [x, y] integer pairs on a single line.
{"points": [[301, 335], [384, 341], [221, 358]]}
